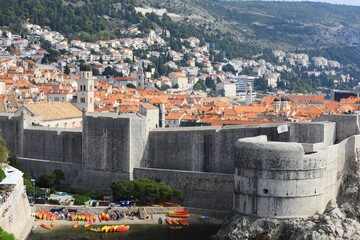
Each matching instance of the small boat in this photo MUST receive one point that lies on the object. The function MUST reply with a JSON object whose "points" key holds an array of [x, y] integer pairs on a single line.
{"points": [[160, 220], [205, 218], [111, 229], [178, 213], [174, 227], [45, 226], [168, 221], [88, 224], [175, 222], [105, 229], [52, 225], [170, 204], [183, 222], [76, 224], [123, 228], [95, 229]]}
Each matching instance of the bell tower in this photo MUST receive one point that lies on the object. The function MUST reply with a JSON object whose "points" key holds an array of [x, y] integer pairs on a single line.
{"points": [[85, 89]]}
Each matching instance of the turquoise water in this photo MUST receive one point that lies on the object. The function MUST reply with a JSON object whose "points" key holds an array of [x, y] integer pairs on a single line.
{"points": [[136, 232]]}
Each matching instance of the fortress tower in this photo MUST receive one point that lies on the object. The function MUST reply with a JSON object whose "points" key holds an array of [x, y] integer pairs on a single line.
{"points": [[85, 89]]}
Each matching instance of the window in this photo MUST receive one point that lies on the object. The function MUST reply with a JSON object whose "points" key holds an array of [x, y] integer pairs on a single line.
{"points": [[265, 191], [56, 99], [82, 100], [84, 88]]}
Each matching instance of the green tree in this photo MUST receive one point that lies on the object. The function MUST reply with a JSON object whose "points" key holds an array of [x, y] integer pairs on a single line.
{"points": [[6, 236], [229, 68], [95, 72], [209, 82], [4, 152], [80, 199], [59, 176], [47, 180], [145, 190], [66, 70], [260, 84], [2, 175], [200, 86]]}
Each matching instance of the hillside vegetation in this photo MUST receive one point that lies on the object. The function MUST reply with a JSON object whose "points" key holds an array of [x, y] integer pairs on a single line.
{"points": [[236, 28]]}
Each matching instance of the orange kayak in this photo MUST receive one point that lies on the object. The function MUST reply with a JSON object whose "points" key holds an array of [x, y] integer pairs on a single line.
{"points": [[168, 220], [123, 228], [183, 222], [76, 224], [88, 224], [175, 221], [45, 226]]}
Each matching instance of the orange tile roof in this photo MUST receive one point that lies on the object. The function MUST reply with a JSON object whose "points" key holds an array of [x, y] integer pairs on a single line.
{"points": [[174, 116]]}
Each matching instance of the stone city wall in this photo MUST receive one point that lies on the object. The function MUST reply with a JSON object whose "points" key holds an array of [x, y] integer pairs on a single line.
{"points": [[38, 167], [346, 125], [201, 190], [61, 145], [202, 149]]}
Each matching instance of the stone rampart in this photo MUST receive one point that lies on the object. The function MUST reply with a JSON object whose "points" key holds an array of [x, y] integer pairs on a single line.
{"points": [[52, 144], [202, 149], [270, 177], [37, 167], [201, 190], [313, 132], [12, 131], [112, 146], [346, 125]]}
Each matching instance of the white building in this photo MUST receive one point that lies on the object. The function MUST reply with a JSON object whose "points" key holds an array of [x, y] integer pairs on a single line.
{"points": [[178, 78], [241, 82], [228, 87]]}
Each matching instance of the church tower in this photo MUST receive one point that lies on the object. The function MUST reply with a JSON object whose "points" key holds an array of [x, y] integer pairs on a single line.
{"points": [[248, 93], [85, 89], [141, 80]]}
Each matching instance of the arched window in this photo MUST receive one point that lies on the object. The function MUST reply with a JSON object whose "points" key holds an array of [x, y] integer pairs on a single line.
{"points": [[84, 88]]}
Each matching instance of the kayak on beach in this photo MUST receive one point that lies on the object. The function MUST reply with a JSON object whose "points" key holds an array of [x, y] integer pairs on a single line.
{"points": [[111, 229]]}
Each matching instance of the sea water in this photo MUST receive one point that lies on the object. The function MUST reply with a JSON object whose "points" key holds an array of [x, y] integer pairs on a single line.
{"points": [[136, 232]]}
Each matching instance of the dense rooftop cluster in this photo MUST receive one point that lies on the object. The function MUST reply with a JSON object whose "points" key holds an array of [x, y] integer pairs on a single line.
{"points": [[192, 87]]}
